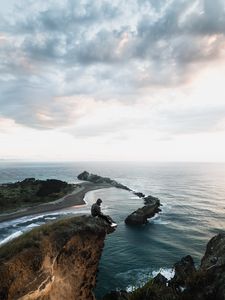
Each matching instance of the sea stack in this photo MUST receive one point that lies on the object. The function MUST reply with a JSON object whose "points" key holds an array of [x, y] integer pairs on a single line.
{"points": [[141, 215]]}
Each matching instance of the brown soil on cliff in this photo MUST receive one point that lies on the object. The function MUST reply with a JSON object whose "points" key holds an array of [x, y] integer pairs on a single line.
{"points": [[55, 261]]}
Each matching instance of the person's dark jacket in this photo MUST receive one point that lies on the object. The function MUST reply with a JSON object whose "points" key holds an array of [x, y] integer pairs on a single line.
{"points": [[95, 210]]}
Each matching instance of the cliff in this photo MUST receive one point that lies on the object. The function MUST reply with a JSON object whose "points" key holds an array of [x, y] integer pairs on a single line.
{"points": [[205, 283], [55, 262]]}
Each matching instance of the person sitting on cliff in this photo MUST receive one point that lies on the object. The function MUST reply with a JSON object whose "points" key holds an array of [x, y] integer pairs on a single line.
{"points": [[96, 212]]}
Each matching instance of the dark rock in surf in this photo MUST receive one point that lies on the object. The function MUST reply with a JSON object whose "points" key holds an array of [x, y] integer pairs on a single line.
{"points": [[205, 283], [141, 215], [184, 270], [140, 195], [150, 199]]}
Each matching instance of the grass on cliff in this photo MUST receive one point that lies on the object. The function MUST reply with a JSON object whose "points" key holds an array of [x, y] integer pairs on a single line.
{"points": [[30, 192], [58, 233]]}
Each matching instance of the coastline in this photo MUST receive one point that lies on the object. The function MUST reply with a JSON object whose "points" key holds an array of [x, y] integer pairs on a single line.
{"points": [[76, 198]]}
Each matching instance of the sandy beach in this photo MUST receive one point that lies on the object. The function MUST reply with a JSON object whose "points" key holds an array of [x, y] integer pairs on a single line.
{"points": [[73, 199]]}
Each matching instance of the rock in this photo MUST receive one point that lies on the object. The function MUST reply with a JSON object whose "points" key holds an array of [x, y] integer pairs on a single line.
{"points": [[159, 279], [86, 176], [116, 295], [140, 195], [184, 270], [189, 283], [54, 261], [150, 199], [141, 215], [215, 252]]}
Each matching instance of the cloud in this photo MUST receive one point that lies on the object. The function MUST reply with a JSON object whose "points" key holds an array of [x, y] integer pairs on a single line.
{"points": [[101, 50]]}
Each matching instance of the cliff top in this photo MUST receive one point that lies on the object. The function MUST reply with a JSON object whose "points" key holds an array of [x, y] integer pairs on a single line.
{"points": [[58, 232], [56, 261]]}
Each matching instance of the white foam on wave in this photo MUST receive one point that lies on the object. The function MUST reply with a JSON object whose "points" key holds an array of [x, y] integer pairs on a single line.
{"points": [[32, 225], [140, 276], [160, 221], [166, 272], [157, 220], [11, 237], [156, 216], [135, 197]]}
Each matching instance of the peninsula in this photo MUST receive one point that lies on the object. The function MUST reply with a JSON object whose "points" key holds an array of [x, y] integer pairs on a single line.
{"points": [[71, 195], [33, 197]]}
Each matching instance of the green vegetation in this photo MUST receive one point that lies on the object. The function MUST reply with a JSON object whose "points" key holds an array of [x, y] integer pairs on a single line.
{"points": [[152, 291], [30, 192]]}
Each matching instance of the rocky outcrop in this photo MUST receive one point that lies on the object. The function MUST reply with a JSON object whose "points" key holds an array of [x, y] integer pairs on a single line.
{"points": [[86, 176], [141, 215], [139, 194], [55, 262], [184, 271], [30, 192], [205, 283], [138, 217]]}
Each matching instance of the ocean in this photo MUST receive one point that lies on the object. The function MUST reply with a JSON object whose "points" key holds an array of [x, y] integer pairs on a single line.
{"points": [[193, 211]]}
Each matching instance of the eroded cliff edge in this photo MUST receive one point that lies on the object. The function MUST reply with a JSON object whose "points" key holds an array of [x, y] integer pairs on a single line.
{"points": [[55, 262]]}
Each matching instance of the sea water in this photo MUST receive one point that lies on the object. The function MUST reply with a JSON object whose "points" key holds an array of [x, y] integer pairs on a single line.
{"points": [[193, 211]]}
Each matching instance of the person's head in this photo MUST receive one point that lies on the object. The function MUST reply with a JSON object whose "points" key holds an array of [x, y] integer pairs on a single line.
{"points": [[99, 201]]}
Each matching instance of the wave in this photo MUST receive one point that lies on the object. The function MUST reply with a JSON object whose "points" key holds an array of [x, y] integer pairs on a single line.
{"points": [[166, 272], [138, 277], [160, 222], [157, 220], [11, 237], [32, 225]]}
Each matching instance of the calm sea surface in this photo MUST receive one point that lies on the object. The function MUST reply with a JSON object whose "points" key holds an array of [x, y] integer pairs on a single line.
{"points": [[193, 198]]}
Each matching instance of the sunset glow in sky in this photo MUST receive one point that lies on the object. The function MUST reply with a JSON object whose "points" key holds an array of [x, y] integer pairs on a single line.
{"points": [[112, 80]]}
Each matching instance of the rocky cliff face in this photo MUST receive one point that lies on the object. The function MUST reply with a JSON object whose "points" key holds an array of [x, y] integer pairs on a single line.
{"points": [[205, 283], [54, 262]]}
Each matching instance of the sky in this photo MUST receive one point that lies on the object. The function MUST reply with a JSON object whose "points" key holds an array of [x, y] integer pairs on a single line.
{"points": [[134, 80]]}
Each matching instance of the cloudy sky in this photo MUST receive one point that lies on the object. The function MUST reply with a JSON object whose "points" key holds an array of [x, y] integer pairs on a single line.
{"points": [[112, 80]]}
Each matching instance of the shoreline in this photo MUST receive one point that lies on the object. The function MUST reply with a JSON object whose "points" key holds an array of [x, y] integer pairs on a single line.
{"points": [[76, 198]]}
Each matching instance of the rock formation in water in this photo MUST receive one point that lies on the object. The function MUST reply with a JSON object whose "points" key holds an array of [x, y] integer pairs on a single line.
{"points": [[205, 283], [139, 194], [141, 215], [30, 192], [55, 261], [86, 176], [138, 217]]}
